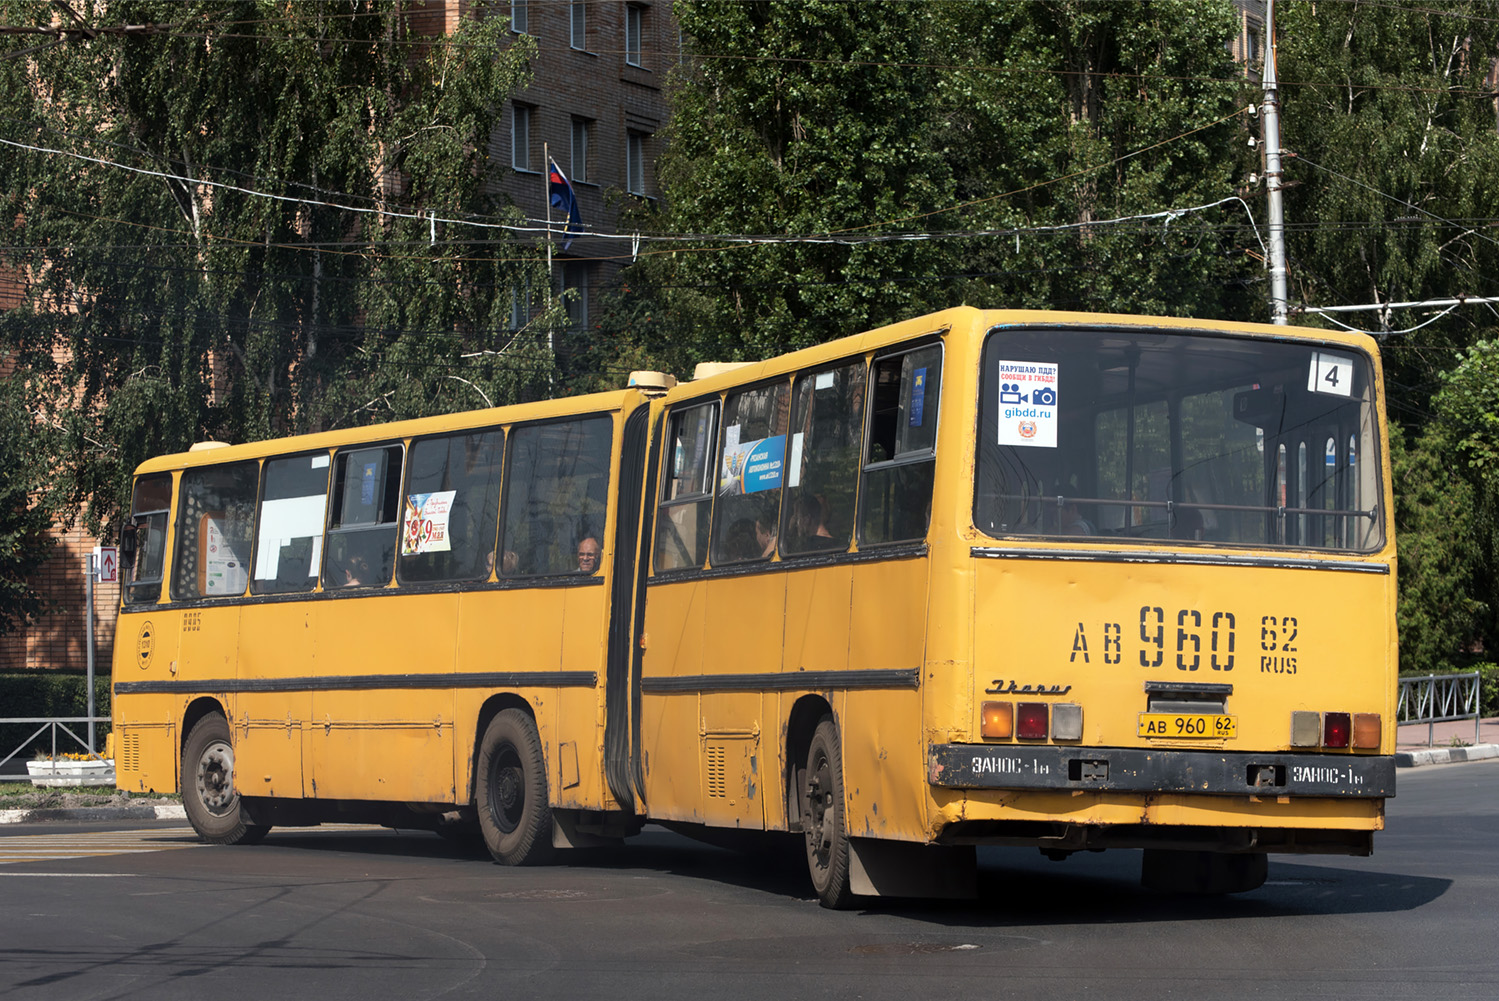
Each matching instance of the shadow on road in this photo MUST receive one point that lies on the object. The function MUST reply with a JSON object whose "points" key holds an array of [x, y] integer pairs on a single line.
{"points": [[1015, 886]]}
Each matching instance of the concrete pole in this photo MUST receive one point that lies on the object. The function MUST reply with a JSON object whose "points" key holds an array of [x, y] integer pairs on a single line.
{"points": [[1271, 112]]}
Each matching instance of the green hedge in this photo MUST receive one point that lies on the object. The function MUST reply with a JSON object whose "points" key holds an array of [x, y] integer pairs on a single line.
{"points": [[1488, 684], [49, 694]]}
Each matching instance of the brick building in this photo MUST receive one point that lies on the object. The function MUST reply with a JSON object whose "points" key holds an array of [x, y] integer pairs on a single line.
{"points": [[596, 102], [58, 639]]}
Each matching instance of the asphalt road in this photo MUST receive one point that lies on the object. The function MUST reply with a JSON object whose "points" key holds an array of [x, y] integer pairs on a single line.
{"points": [[93, 912]]}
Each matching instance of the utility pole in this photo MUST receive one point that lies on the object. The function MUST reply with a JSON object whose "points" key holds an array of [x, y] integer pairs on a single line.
{"points": [[1270, 108]]}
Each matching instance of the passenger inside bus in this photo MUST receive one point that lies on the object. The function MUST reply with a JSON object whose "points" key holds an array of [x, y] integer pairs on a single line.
{"points": [[588, 554]]}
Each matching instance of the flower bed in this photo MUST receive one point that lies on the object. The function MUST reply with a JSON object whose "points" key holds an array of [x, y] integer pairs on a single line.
{"points": [[71, 771]]}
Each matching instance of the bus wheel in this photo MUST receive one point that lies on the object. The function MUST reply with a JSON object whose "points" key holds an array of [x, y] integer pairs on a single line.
{"points": [[208, 794], [1205, 873], [514, 812], [822, 818]]}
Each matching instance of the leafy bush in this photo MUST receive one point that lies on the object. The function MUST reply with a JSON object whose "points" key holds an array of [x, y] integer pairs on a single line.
{"points": [[49, 694]]}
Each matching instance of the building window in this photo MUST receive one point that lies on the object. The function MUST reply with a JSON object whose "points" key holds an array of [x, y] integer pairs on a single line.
{"points": [[520, 137], [634, 31], [635, 163], [578, 165], [578, 32], [520, 19], [575, 279]]}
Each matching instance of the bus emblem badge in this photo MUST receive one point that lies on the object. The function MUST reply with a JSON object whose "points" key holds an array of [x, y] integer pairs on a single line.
{"points": [[1027, 429], [145, 645]]}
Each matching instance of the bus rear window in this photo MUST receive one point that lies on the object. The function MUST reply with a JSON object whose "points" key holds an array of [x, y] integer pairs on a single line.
{"points": [[1177, 436]]}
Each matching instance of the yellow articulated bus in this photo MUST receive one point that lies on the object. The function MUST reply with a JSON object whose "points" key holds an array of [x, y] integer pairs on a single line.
{"points": [[1058, 580]]}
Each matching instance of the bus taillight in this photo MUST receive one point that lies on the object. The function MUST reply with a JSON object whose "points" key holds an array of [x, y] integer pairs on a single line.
{"points": [[1067, 721], [1032, 724], [1367, 730], [998, 720], [1336, 729]]}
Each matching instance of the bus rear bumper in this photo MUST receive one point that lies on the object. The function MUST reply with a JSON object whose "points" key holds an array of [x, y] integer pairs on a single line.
{"points": [[1149, 770]]}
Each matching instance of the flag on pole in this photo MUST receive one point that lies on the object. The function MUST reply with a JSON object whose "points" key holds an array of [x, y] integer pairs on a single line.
{"points": [[565, 202]]}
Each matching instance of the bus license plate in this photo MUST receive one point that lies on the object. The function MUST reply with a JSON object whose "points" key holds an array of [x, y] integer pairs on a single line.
{"points": [[1189, 726]]}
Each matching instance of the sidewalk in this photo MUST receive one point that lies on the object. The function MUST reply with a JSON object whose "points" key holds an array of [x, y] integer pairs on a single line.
{"points": [[1412, 750]]}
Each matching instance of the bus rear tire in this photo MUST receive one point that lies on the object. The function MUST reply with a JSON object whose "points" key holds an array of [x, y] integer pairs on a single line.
{"points": [[823, 825], [1203, 873], [209, 797], [514, 811]]}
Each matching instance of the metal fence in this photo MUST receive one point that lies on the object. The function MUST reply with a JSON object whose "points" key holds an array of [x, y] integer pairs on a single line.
{"points": [[1439, 698], [54, 724]]}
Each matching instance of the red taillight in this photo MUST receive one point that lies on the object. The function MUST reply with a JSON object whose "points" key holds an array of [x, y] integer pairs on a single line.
{"points": [[1030, 721], [1336, 729]]}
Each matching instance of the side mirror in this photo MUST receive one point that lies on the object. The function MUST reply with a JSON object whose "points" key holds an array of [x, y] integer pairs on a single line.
{"points": [[127, 546]]}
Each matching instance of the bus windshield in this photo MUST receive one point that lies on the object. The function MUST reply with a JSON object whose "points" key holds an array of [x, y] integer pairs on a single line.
{"points": [[1196, 438]]}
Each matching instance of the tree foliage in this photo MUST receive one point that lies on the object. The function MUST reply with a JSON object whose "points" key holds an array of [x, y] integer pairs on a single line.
{"points": [[917, 125], [1389, 115], [27, 504], [185, 209]]}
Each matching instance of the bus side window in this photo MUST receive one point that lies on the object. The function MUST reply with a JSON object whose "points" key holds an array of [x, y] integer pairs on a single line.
{"points": [[900, 457], [361, 549], [686, 487], [822, 461], [148, 515], [215, 525], [753, 458], [289, 539], [556, 497], [452, 506]]}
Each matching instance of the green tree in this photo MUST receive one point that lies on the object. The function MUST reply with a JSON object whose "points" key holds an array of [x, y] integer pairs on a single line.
{"points": [[1388, 111], [915, 124], [27, 505], [1467, 429], [228, 223]]}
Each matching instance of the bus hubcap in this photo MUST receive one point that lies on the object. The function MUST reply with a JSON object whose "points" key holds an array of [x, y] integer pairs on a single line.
{"points": [[216, 777]]}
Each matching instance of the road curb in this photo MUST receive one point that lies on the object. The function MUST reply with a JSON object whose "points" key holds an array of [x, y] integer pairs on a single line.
{"points": [[160, 811], [1445, 755]]}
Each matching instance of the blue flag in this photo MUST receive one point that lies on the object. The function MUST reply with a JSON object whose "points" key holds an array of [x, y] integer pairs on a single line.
{"points": [[565, 202]]}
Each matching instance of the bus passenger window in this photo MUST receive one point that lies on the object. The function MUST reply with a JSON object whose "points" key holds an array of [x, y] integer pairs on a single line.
{"points": [[822, 461], [748, 514], [556, 497], [686, 487], [361, 549], [452, 506], [289, 541], [900, 457], [148, 516], [215, 523]]}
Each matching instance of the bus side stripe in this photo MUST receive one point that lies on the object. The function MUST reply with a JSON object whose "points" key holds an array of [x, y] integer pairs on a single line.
{"points": [[365, 682], [792, 681]]}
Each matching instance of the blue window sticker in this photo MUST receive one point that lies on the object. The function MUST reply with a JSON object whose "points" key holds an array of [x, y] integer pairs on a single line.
{"points": [[918, 395], [367, 483]]}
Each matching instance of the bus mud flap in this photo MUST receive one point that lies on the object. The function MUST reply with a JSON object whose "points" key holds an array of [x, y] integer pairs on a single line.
{"points": [[880, 868]]}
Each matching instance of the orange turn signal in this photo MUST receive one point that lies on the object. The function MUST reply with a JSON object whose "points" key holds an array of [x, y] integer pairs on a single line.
{"points": [[1367, 730], [998, 720]]}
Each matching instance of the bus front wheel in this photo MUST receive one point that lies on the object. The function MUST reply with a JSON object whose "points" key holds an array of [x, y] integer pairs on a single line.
{"points": [[822, 818], [209, 797], [514, 811]]}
